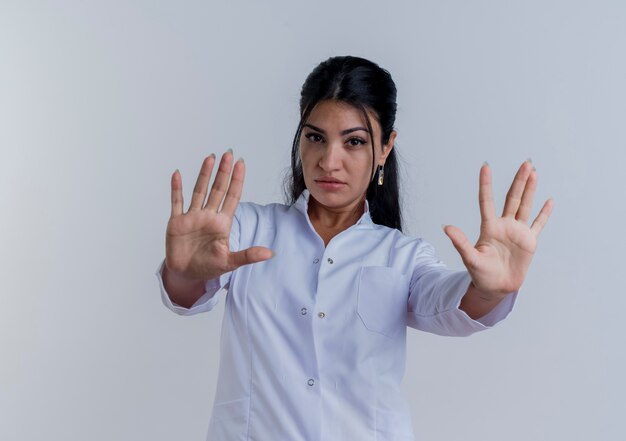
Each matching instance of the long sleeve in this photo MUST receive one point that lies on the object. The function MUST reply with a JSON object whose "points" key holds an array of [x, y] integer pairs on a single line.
{"points": [[209, 299], [435, 296]]}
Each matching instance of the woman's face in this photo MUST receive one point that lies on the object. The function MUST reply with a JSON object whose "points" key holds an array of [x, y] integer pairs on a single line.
{"points": [[336, 153]]}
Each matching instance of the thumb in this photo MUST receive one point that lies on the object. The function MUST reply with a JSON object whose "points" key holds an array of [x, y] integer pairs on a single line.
{"points": [[463, 246], [248, 256]]}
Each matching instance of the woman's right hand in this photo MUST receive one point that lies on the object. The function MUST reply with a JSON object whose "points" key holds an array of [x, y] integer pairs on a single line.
{"points": [[196, 244]]}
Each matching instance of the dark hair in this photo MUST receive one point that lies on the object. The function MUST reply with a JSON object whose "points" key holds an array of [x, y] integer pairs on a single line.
{"points": [[364, 85]]}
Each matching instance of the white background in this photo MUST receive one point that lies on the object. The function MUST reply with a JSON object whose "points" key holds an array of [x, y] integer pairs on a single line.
{"points": [[101, 101]]}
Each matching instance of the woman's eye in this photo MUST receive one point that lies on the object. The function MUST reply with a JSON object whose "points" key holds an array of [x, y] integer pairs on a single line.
{"points": [[356, 142], [313, 137]]}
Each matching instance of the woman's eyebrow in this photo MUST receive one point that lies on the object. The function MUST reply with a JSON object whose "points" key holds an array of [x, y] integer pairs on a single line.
{"points": [[344, 132]]}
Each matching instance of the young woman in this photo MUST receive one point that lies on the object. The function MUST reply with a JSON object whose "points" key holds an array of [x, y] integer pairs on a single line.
{"points": [[321, 290]]}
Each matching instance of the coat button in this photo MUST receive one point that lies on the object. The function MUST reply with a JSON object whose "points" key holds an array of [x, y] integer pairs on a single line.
{"points": [[316, 260], [303, 311], [321, 315], [311, 382], [330, 260]]}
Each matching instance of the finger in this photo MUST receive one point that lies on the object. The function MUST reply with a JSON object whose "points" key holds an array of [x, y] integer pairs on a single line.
{"points": [[234, 189], [485, 193], [467, 251], [514, 195], [542, 218], [202, 183], [220, 184], [177, 194], [249, 255], [526, 204]]}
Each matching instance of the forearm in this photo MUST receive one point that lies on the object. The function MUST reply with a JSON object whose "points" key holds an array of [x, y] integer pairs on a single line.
{"points": [[476, 303]]}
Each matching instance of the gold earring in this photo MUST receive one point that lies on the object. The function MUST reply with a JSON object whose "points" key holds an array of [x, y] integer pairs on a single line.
{"points": [[381, 174]]}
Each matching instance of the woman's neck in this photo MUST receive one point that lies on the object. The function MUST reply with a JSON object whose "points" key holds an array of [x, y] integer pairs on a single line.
{"points": [[328, 222]]}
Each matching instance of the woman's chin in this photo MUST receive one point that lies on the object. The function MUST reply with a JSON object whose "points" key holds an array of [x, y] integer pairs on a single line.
{"points": [[333, 199]]}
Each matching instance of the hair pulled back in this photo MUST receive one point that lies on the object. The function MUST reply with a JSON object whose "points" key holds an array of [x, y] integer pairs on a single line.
{"points": [[364, 85]]}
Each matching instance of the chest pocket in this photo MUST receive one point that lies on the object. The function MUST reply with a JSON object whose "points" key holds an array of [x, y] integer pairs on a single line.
{"points": [[382, 299]]}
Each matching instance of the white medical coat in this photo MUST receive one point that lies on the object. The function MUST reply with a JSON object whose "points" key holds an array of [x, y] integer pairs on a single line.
{"points": [[313, 341]]}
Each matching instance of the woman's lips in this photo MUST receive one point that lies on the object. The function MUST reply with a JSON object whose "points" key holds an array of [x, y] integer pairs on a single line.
{"points": [[330, 184]]}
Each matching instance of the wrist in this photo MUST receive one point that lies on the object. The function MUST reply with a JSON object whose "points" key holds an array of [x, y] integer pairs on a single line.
{"points": [[178, 283], [485, 295]]}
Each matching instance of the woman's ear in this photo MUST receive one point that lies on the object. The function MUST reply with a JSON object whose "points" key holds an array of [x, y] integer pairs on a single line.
{"points": [[387, 148]]}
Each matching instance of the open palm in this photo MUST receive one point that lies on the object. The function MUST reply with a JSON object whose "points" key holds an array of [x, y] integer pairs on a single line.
{"points": [[499, 260], [197, 242]]}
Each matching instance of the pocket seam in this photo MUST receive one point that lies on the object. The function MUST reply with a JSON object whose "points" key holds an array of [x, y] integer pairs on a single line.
{"points": [[381, 330]]}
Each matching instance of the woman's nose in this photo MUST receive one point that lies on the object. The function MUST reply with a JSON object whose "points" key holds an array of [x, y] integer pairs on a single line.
{"points": [[331, 158]]}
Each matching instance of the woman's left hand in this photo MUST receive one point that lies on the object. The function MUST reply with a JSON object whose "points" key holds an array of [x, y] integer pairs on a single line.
{"points": [[500, 259]]}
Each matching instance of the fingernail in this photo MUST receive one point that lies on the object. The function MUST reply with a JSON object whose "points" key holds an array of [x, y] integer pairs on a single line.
{"points": [[443, 227], [229, 151], [529, 160], [240, 159], [485, 163], [212, 155]]}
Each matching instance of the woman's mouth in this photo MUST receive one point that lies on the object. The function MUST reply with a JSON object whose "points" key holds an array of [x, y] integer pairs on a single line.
{"points": [[330, 183]]}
